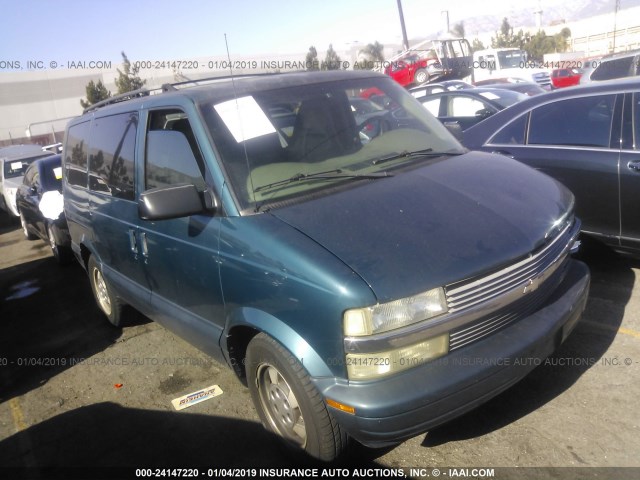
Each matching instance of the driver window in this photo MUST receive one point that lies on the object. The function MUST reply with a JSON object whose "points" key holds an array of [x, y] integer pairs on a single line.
{"points": [[30, 176], [433, 106], [172, 153]]}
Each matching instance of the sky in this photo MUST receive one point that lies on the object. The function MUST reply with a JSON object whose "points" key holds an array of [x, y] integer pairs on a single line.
{"points": [[186, 29]]}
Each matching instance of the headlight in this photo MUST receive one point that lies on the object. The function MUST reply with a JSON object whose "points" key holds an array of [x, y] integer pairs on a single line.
{"points": [[364, 366], [399, 313]]}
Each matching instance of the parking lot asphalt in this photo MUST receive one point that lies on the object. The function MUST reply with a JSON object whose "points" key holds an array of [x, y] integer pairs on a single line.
{"points": [[76, 392]]}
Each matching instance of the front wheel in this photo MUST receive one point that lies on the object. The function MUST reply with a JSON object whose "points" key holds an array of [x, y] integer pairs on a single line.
{"points": [[61, 253], [288, 403]]}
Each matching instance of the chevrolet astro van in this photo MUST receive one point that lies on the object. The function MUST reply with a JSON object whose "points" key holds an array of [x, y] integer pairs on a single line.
{"points": [[343, 266]]}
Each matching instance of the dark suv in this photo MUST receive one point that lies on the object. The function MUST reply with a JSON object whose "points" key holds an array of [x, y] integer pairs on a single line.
{"points": [[610, 67], [351, 276]]}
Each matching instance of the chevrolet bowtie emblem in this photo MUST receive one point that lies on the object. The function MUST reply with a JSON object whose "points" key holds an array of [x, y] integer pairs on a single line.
{"points": [[531, 285]]}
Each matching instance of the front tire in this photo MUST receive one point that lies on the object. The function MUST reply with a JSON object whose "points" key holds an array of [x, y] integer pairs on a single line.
{"points": [[25, 229], [288, 403], [108, 303], [61, 253]]}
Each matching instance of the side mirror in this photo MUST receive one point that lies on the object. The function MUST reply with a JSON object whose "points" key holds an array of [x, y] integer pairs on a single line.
{"points": [[484, 113], [176, 201]]}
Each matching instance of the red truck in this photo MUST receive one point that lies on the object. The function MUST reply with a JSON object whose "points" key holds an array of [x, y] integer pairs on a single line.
{"points": [[431, 60]]}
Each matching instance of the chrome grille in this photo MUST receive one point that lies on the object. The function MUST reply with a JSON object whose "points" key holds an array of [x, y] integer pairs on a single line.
{"points": [[546, 266], [526, 306], [472, 292], [542, 79]]}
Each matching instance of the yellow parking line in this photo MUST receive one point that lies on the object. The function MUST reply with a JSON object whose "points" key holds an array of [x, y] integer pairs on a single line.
{"points": [[24, 440], [18, 416], [628, 331], [623, 330]]}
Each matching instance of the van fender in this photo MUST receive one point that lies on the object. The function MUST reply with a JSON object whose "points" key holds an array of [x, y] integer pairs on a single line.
{"points": [[282, 333]]}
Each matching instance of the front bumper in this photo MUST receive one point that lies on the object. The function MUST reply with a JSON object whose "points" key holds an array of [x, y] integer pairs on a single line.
{"points": [[393, 409], [10, 204]]}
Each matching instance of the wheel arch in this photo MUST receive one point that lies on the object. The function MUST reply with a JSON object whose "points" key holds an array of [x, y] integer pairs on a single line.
{"points": [[246, 323]]}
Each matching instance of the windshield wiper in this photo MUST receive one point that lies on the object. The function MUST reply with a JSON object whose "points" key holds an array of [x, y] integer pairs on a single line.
{"points": [[427, 152], [329, 174]]}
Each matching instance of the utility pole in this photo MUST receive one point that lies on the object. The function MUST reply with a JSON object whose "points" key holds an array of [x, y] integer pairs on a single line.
{"points": [[405, 40], [615, 22], [445, 15]]}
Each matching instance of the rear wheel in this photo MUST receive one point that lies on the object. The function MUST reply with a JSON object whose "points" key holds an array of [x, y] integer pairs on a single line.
{"points": [[110, 305], [288, 403], [421, 76]]}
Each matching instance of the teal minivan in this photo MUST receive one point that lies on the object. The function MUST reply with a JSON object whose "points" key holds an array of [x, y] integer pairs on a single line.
{"points": [[347, 267]]}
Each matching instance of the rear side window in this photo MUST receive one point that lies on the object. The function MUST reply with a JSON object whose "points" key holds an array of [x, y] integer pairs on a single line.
{"points": [[582, 121], [610, 69], [512, 134], [111, 159], [76, 152], [172, 153]]}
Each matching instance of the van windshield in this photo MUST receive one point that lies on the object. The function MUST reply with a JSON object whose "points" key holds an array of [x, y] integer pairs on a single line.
{"points": [[286, 143], [512, 59]]}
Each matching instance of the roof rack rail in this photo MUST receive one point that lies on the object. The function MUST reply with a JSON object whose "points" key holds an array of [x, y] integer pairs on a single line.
{"points": [[166, 87], [169, 87], [123, 97]]}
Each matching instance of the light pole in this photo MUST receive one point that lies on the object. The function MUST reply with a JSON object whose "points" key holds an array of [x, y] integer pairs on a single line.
{"points": [[615, 21], [405, 41], [445, 14]]}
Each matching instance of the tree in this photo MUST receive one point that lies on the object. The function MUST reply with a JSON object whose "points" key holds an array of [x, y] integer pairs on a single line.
{"points": [[311, 60], [331, 61], [562, 39], [477, 45], [505, 37], [540, 44], [458, 29], [128, 80], [372, 55], [96, 92]]}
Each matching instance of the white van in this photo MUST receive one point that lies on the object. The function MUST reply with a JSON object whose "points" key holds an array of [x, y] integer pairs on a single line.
{"points": [[500, 63]]}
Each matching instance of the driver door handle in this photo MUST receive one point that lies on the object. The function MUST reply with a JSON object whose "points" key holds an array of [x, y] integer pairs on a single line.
{"points": [[504, 153], [635, 166]]}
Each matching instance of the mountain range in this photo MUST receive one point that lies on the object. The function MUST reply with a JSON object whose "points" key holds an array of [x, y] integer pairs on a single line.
{"points": [[521, 14]]}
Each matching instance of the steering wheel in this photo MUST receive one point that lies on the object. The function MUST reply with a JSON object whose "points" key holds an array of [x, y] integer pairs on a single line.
{"points": [[374, 127]]}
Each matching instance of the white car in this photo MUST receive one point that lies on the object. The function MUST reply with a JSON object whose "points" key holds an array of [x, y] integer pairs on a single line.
{"points": [[14, 160]]}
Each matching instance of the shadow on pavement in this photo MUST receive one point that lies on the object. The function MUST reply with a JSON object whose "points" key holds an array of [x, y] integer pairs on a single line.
{"points": [[106, 435], [47, 316]]}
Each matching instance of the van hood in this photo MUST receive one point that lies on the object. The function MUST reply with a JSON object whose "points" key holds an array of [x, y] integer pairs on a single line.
{"points": [[443, 222]]}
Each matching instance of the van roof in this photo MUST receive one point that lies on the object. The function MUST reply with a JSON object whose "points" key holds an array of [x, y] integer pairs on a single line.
{"points": [[226, 87]]}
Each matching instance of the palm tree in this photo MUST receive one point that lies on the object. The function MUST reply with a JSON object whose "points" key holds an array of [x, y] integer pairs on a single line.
{"points": [[374, 52], [458, 30]]}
